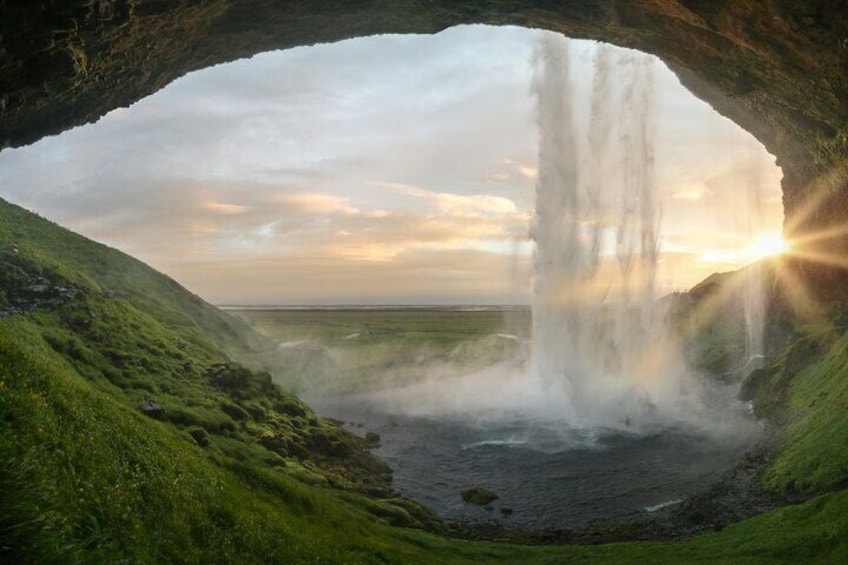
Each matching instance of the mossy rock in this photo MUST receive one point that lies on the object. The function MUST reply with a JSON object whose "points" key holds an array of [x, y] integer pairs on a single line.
{"points": [[234, 411], [199, 435], [292, 408], [393, 515]]}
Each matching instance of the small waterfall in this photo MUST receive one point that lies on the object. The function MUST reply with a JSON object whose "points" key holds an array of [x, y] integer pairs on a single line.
{"points": [[754, 293], [598, 336]]}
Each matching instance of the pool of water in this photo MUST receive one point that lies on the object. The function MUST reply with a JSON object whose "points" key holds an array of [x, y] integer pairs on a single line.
{"points": [[545, 472]]}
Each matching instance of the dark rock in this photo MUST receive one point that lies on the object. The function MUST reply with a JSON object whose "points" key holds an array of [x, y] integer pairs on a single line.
{"points": [[479, 496], [330, 444], [199, 435], [275, 443], [152, 409], [256, 412], [292, 409], [372, 439], [234, 411], [297, 450]]}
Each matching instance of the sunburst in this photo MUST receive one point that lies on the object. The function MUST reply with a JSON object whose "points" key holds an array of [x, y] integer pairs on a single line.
{"points": [[767, 245], [821, 248]]}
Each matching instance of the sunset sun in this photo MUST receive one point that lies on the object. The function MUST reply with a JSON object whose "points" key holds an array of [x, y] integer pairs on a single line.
{"points": [[767, 245]]}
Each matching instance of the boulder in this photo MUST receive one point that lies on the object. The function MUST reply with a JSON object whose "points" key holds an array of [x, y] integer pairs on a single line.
{"points": [[372, 439], [479, 496], [152, 409]]}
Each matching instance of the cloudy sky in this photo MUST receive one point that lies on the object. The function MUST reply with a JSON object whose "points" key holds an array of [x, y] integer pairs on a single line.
{"points": [[381, 170]]}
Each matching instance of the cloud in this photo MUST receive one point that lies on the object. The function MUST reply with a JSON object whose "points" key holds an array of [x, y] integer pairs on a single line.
{"points": [[227, 209], [338, 169], [692, 194], [446, 277], [453, 204], [317, 203]]}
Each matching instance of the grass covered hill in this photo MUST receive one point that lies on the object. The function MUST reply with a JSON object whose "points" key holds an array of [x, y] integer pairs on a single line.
{"points": [[128, 434]]}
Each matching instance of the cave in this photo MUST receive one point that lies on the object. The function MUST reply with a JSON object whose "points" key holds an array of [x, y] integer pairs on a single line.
{"points": [[777, 70]]}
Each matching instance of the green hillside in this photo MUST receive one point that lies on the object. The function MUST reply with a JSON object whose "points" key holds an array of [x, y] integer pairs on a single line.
{"points": [[128, 434], [35, 252]]}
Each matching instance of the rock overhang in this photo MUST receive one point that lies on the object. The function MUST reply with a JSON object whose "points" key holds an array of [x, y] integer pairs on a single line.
{"points": [[776, 69]]}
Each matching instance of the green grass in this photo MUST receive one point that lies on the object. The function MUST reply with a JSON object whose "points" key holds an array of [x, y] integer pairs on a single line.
{"points": [[814, 454], [31, 246], [356, 348], [434, 325], [237, 470], [88, 480]]}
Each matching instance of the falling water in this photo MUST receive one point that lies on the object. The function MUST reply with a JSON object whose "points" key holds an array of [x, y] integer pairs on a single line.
{"points": [[597, 331], [603, 365], [754, 301]]}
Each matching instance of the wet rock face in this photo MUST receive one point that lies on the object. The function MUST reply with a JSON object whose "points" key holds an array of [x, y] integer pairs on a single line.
{"points": [[779, 69]]}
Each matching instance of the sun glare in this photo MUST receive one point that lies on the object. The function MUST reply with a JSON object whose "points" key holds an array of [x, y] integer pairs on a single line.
{"points": [[767, 245]]}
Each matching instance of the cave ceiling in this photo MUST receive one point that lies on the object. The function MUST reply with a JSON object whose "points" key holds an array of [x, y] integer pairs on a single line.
{"points": [[779, 69]]}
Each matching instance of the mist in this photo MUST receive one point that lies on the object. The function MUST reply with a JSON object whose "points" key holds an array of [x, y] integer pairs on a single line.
{"points": [[591, 391], [602, 354]]}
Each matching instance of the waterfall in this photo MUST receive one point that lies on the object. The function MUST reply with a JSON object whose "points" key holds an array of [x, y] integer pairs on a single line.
{"points": [[598, 337], [754, 293], [555, 230]]}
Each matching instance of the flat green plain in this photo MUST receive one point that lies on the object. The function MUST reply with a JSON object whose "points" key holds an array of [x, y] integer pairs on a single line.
{"points": [[349, 348]]}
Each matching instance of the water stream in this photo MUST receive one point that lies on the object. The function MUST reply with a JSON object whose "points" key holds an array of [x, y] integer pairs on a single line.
{"points": [[599, 338]]}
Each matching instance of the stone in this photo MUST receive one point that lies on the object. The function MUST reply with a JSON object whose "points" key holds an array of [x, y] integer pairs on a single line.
{"points": [[479, 496], [152, 409], [199, 435], [372, 439]]}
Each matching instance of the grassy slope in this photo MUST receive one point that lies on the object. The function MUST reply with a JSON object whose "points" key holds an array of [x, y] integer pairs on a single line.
{"points": [[87, 478], [45, 247], [814, 454]]}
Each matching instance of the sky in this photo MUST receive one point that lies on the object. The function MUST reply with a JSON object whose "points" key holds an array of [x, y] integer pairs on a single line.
{"points": [[380, 170]]}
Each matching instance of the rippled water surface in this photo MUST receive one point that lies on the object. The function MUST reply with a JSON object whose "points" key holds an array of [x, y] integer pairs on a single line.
{"points": [[546, 474]]}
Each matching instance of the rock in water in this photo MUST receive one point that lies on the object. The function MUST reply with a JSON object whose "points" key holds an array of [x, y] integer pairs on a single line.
{"points": [[372, 440], [478, 496]]}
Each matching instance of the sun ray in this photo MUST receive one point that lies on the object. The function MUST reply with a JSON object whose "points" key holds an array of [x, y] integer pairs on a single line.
{"points": [[801, 241], [708, 309], [805, 306], [819, 191], [821, 257]]}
